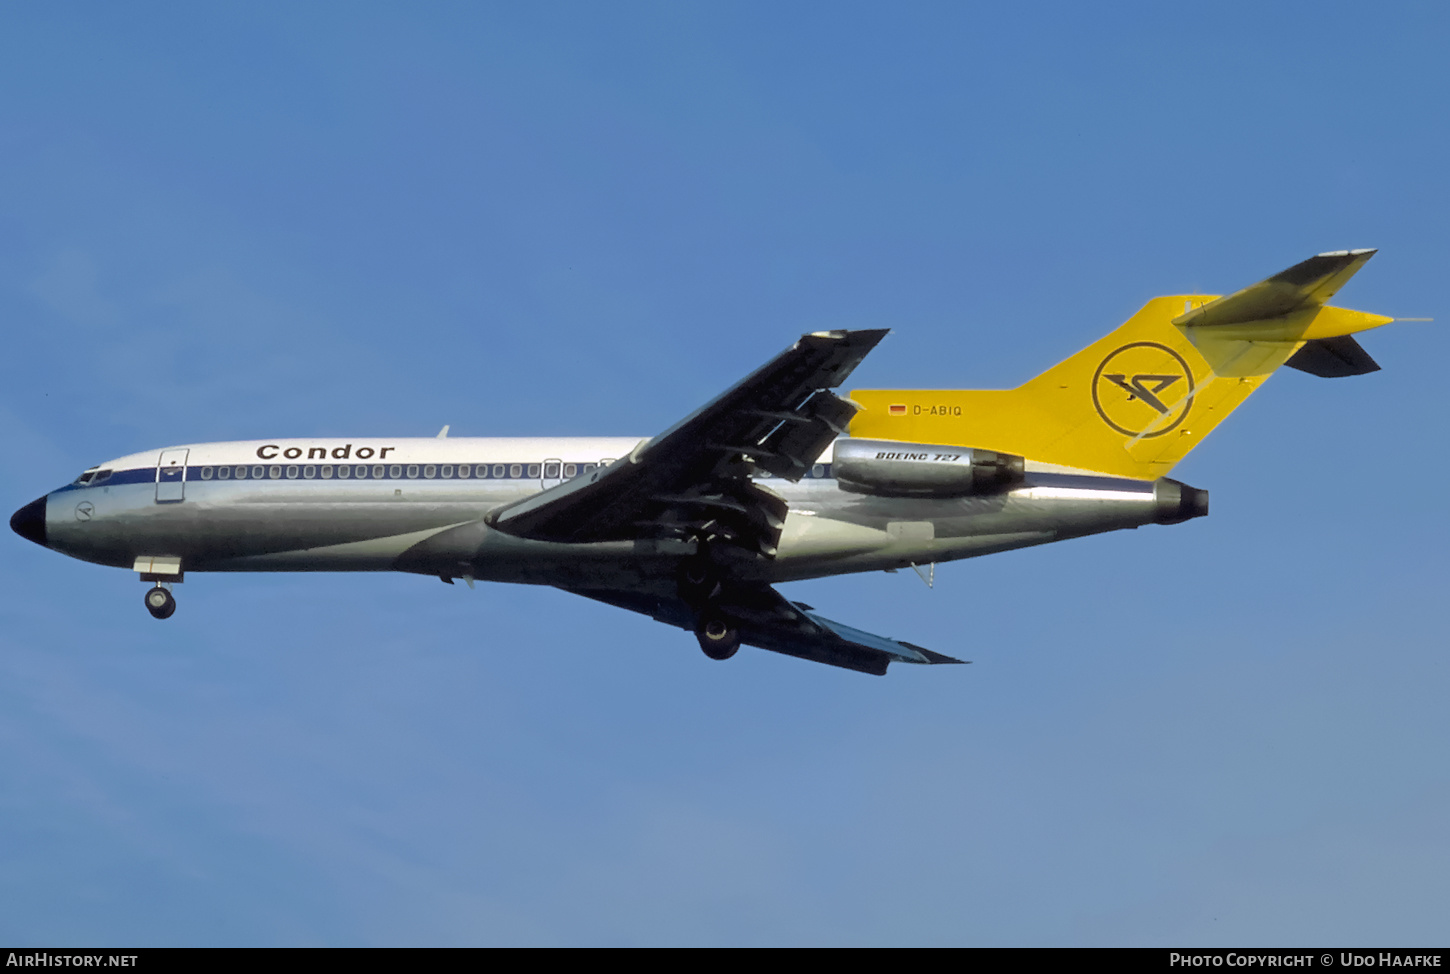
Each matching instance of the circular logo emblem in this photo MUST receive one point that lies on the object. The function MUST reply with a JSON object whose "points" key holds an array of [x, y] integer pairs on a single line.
{"points": [[84, 510], [1143, 390]]}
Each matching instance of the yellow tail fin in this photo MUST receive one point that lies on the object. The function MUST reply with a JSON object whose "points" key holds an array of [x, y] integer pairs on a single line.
{"points": [[1137, 401]]}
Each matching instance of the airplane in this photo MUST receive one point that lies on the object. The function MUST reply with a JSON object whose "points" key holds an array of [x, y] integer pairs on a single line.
{"points": [[777, 479]]}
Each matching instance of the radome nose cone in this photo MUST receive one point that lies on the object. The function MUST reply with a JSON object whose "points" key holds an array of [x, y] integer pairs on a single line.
{"points": [[29, 521]]}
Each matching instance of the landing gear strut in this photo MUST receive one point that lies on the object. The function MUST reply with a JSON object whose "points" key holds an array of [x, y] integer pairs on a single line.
{"points": [[160, 603], [717, 637], [699, 586], [698, 580]]}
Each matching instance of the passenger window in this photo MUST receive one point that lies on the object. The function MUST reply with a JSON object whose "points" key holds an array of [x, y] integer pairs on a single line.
{"points": [[258, 472], [429, 471], [551, 470], [206, 473], [223, 473], [818, 471], [571, 470], [343, 471], [327, 471], [292, 471], [378, 472], [446, 472], [533, 470], [464, 470], [275, 473], [241, 473], [309, 472], [498, 470], [396, 471], [516, 470]]}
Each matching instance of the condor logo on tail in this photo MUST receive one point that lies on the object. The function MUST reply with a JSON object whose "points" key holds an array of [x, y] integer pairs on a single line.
{"points": [[1143, 390]]}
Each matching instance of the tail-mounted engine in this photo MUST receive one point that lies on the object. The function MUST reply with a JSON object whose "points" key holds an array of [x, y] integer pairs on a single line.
{"points": [[1176, 502], [889, 468]]}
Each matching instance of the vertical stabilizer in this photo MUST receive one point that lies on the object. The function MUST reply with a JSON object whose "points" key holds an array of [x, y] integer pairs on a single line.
{"points": [[1137, 401]]}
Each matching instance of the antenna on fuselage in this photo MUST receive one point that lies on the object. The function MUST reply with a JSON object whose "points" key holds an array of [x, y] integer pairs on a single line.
{"points": [[442, 434]]}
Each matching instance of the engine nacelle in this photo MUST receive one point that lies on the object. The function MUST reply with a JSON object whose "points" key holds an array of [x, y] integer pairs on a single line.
{"points": [[888, 468]]}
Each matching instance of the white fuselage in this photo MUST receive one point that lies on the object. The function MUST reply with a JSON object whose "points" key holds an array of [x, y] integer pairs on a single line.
{"points": [[378, 504]]}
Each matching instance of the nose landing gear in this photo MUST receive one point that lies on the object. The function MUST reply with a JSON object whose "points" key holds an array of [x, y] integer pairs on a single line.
{"points": [[165, 571], [160, 603]]}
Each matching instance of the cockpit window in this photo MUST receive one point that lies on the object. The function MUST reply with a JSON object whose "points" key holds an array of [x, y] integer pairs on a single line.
{"points": [[93, 477], [85, 478], [101, 475]]}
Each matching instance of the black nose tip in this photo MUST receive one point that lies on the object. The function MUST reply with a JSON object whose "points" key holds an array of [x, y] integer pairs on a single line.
{"points": [[29, 521]]}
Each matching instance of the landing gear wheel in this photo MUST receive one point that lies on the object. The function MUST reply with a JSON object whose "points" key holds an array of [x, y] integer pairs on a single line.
{"points": [[160, 603], [718, 638]]}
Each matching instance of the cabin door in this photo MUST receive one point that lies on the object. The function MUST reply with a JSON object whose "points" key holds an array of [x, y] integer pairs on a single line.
{"points": [[171, 476]]}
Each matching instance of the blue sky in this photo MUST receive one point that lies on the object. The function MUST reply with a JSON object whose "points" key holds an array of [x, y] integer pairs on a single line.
{"points": [[234, 221]]}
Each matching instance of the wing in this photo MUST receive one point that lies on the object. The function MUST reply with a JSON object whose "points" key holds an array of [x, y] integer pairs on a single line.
{"points": [[767, 620], [693, 480]]}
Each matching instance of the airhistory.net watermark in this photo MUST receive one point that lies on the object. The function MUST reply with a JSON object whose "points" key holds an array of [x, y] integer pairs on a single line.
{"points": [[42, 958]]}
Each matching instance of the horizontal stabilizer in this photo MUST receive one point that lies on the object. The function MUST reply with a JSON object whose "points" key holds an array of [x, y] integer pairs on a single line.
{"points": [[1333, 358], [1306, 285]]}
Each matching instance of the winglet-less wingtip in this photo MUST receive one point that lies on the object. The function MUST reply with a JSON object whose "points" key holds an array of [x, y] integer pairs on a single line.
{"points": [[932, 656]]}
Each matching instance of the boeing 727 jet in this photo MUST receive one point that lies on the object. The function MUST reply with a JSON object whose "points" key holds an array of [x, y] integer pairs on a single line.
{"points": [[777, 479]]}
